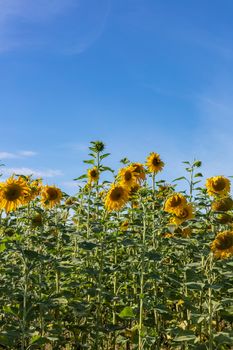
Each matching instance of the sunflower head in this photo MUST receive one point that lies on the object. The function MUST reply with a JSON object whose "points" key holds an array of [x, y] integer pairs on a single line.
{"points": [[154, 163], [97, 146], [50, 196], [224, 218], [124, 226], [186, 232], [9, 231], [13, 193], [139, 171], [35, 187], [218, 186], [93, 174], [174, 203], [116, 197], [222, 246], [222, 204], [127, 177], [183, 214], [37, 220]]}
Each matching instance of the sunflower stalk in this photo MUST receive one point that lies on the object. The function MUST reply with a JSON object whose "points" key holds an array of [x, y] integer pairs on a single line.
{"points": [[142, 272], [25, 296], [210, 301]]}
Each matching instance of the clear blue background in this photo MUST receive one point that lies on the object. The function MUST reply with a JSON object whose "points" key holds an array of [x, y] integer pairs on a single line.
{"points": [[141, 75]]}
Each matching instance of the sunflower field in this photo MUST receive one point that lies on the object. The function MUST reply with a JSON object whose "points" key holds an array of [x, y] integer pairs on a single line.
{"points": [[130, 263]]}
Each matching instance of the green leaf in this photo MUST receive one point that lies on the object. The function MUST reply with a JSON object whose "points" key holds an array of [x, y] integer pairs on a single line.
{"points": [[104, 155], [87, 245], [90, 161], [183, 338], [81, 177], [179, 178], [127, 313], [38, 340]]}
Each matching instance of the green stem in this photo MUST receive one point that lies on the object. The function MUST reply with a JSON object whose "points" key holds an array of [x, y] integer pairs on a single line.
{"points": [[141, 306], [25, 294], [210, 302]]}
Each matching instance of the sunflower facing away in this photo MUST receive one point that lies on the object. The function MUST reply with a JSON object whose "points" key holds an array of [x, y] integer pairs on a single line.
{"points": [[222, 246], [222, 204], [93, 175], [218, 186], [127, 177], [139, 171], [12, 193], [154, 163], [184, 214], [116, 197], [174, 203], [35, 187], [50, 196]]}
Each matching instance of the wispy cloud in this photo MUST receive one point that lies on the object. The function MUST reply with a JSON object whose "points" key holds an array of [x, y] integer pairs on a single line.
{"points": [[28, 171], [15, 155], [39, 23]]}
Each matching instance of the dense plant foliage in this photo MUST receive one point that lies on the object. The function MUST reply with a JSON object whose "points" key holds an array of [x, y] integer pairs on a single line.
{"points": [[128, 265]]}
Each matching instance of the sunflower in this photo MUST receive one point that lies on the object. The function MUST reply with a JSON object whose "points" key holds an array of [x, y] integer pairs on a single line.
{"points": [[222, 204], [139, 171], [116, 197], [174, 203], [124, 226], [183, 214], [12, 193], [218, 186], [222, 246], [127, 177], [35, 187], [133, 191], [50, 196], [37, 220], [154, 163], [224, 218], [93, 174]]}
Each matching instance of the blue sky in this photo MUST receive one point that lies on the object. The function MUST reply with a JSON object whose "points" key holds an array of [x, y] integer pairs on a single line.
{"points": [[141, 75]]}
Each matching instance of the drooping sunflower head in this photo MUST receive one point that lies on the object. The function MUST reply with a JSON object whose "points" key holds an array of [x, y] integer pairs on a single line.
{"points": [[93, 174], [222, 246], [139, 171], [50, 196], [35, 187], [116, 197], [37, 220], [154, 163], [183, 214], [13, 193], [224, 218], [174, 203], [218, 186], [127, 177], [124, 226], [133, 191], [222, 204]]}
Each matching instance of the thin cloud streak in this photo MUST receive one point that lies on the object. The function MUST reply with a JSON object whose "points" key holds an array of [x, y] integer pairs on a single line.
{"points": [[16, 155], [28, 171]]}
